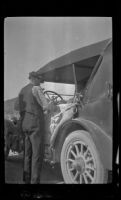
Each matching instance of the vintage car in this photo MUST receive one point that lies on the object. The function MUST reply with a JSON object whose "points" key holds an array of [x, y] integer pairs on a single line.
{"points": [[79, 132], [79, 137]]}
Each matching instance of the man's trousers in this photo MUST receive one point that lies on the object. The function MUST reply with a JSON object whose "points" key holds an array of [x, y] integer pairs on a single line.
{"points": [[33, 152]]}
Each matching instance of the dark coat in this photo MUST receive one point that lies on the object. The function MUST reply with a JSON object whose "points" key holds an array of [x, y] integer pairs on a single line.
{"points": [[30, 111]]}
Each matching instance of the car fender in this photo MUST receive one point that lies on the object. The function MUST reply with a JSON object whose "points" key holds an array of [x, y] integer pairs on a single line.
{"points": [[102, 141]]}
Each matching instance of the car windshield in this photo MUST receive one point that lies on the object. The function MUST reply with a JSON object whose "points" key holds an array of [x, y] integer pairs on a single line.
{"points": [[65, 90]]}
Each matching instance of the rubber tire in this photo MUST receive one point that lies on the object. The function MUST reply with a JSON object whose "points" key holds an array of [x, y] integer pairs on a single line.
{"points": [[85, 137]]}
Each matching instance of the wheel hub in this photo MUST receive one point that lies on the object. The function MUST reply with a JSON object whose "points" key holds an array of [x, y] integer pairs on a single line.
{"points": [[79, 165]]}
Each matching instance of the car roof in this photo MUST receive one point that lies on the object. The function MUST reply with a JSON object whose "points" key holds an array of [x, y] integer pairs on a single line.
{"points": [[60, 70]]}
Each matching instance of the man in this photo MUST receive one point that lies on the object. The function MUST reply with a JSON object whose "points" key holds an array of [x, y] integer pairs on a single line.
{"points": [[32, 105]]}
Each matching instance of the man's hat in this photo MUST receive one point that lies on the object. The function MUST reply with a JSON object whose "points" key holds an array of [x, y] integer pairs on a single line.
{"points": [[36, 75]]}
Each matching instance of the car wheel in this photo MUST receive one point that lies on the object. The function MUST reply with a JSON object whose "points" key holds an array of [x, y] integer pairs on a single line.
{"points": [[80, 160]]}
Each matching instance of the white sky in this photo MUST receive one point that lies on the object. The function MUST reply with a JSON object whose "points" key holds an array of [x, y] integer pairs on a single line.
{"points": [[31, 42]]}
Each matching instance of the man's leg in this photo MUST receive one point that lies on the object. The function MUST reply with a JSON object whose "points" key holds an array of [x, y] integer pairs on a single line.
{"points": [[37, 155], [27, 160]]}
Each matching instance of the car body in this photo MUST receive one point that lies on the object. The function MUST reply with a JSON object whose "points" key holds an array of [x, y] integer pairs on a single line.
{"points": [[91, 110]]}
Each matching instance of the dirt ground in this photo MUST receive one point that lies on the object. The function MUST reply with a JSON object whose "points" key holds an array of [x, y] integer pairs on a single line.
{"points": [[14, 172]]}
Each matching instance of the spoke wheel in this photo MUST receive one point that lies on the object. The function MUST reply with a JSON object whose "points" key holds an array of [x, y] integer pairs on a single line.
{"points": [[80, 162]]}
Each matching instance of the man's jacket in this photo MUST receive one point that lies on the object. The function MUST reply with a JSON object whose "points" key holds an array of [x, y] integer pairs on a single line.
{"points": [[30, 111]]}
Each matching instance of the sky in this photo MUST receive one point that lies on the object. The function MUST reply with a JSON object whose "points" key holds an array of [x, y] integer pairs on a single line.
{"points": [[32, 42]]}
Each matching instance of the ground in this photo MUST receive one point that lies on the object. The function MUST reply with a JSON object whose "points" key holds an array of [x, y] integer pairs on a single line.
{"points": [[14, 170]]}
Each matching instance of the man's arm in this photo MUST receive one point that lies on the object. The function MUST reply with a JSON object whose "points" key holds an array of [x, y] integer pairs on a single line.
{"points": [[40, 97]]}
